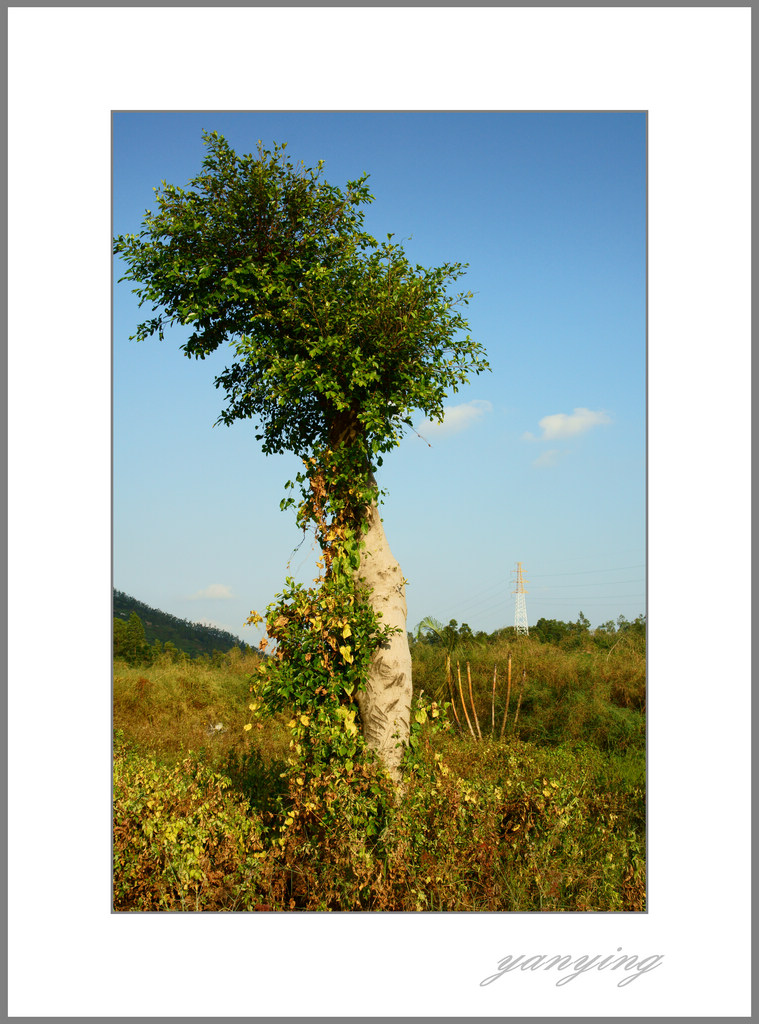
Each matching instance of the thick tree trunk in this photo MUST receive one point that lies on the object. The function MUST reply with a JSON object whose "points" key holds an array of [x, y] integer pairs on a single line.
{"points": [[385, 705]]}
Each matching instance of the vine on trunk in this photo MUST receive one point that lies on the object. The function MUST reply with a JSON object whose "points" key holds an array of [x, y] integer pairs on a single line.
{"points": [[325, 634]]}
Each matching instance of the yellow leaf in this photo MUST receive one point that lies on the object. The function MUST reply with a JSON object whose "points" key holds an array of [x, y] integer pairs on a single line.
{"points": [[350, 723], [346, 631], [304, 719], [346, 653], [247, 727]]}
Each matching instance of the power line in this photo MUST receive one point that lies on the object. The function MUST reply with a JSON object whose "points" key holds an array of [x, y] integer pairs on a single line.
{"points": [[598, 583], [479, 597], [475, 600], [464, 609], [596, 555], [595, 600], [584, 572]]}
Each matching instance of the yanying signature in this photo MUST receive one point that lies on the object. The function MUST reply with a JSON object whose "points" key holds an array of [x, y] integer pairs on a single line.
{"points": [[630, 964]]}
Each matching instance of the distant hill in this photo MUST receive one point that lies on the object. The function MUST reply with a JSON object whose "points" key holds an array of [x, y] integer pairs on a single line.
{"points": [[191, 637]]}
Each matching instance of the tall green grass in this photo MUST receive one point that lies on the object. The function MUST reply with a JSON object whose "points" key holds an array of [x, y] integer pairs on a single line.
{"points": [[566, 696], [170, 708]]}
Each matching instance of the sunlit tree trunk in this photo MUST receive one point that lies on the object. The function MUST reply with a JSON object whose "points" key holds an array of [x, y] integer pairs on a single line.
{"points": [[385, 705]]}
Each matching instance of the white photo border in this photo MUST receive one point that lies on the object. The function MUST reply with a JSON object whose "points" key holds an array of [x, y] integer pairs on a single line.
{"points": [[689, 68]]}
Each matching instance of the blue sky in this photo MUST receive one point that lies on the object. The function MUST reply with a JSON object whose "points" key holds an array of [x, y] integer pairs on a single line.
{"points": [[541, 461]]}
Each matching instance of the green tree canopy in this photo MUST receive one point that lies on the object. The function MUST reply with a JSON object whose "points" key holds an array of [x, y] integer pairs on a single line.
{"points": [[336, 337]]}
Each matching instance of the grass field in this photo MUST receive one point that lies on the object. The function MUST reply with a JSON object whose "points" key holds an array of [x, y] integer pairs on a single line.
{"points": [[534, 806]]}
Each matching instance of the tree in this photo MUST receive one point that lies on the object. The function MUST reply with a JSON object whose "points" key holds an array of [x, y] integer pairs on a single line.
{"points": [[337, 339], [432, 632], [583, 623], [129, 640], [550, 631]]}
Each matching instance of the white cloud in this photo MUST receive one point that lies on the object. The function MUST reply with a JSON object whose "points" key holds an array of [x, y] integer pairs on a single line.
{"points": [[560, 425], [548, 458], [216, 591], [456, 418]]}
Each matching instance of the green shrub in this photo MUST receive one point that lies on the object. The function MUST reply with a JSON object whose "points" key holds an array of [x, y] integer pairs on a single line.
{"points": [[259, 782], [543, 829], [182, 839], [476, 827]]}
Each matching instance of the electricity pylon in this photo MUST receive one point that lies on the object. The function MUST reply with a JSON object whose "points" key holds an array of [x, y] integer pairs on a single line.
{"points": [[520, 612]]}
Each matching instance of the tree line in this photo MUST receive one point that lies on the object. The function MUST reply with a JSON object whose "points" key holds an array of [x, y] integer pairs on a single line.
{"points": [[142, 633], [567, 635]]}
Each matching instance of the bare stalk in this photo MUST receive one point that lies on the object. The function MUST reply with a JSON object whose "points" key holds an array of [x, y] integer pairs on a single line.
{"points": [[463, 702], [521, 691], [471, 699], [492, 703], [508, 698], [449, 681]]}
